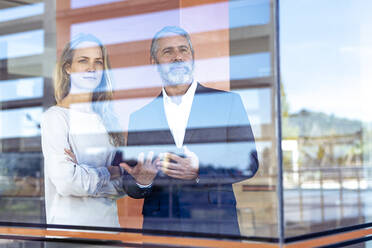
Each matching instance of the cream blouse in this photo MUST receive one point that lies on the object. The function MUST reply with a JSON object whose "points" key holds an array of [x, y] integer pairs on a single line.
{"points": [[81, 193]]}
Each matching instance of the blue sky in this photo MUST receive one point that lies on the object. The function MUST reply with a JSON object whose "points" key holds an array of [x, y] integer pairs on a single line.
{"points": [[322, 56]]}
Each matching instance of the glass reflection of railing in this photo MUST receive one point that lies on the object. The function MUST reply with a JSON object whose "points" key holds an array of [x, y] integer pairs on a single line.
{"points": [[348, 177], [326, 197]]}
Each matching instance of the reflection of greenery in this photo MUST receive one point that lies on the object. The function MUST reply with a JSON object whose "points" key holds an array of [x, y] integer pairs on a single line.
{"points": [[317, 124], [323, 139], [23, 210], [20, 164], [21, 174], [287, 130]]}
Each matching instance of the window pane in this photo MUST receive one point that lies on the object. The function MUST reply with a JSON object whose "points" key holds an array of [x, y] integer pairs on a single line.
{"points": [[21, 89], [22, 44], [326, 124], [82, 91], [14, 13]]}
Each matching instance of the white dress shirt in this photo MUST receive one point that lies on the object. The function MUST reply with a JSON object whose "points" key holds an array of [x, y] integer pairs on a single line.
{"points": [[177, 111]]}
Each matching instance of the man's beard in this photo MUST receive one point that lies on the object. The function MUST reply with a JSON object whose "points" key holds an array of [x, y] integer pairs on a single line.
{"points": [[176, 73]]}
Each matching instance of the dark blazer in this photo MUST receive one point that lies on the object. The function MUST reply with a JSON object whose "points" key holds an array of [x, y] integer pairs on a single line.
{"points": [[218, 130]]}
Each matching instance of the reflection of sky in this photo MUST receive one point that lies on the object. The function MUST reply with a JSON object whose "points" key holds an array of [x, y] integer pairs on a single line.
{"points": [[206, 70], [248, 13], [19, 12], [20, 122], [22, 44], [75, 4], [127, 29], [208, 17], [321, 56], [250, 65], [20, 89], [257, 103]]}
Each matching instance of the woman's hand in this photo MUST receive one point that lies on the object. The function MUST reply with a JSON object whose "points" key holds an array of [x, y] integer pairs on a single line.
{"points": [[70, 156], [115, 171], [145, 171]]}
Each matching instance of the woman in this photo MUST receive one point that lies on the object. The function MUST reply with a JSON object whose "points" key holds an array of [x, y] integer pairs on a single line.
{"points": [[81, 186]]}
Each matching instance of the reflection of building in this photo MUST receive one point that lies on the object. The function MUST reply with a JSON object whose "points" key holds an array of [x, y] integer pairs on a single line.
{"points": [[27, 67], [27, 58]]}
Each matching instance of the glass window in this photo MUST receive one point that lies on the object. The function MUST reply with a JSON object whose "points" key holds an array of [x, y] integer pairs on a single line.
{"points": [[23, 88], [161, 117], [19, 12], [21, 44], [326, 125], [83, 92]]}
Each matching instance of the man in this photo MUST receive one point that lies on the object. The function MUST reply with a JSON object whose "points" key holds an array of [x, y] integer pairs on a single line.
{"points": [[198, 131]]}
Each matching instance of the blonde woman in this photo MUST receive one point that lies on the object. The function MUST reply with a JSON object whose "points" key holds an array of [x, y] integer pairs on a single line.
{"points": [[79, 140]]}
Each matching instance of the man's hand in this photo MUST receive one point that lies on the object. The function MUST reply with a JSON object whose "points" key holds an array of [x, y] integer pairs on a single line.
{"points": [[115, 172], [145, 171], [182, 168]]}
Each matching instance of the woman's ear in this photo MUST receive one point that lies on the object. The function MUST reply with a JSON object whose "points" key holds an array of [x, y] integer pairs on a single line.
{"points": [[67, 68]]}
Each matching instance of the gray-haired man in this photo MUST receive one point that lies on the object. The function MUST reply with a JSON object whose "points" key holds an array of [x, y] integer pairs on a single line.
{"points": [[194, 126]]}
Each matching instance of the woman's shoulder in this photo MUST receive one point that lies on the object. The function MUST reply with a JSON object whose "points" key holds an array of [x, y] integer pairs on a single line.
{"points": [[55, 114]]}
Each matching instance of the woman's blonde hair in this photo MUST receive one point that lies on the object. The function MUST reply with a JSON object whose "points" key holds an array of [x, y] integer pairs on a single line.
{"points": [[102, 95]]}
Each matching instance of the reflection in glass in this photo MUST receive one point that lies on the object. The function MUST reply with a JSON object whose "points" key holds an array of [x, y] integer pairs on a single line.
{"points": [[255, 66], [249, 13], [75, 4], [21, 44], [241, 67], [231, 53], [22, 122], [326, 125], [14, 13], [257, 13], [21, 89]]}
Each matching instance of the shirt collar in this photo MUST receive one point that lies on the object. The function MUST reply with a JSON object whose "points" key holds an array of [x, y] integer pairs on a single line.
{"points": [[189, 94]]}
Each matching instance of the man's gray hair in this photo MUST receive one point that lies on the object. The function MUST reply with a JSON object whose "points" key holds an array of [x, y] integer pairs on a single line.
{"points": [[166, 32]]}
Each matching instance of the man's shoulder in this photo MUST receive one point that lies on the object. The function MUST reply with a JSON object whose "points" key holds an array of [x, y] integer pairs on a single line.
{"points": [[146, 115], [217, 93], [149, 107]]}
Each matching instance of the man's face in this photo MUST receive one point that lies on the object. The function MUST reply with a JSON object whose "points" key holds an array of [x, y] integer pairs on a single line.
{"points": [[175, 60]]}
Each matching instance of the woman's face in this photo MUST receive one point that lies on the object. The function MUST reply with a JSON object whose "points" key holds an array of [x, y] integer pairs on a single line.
{"points": [[86, 68]]}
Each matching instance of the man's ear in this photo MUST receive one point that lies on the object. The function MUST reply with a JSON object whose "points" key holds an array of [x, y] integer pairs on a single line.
{"points": [[152, 60]]}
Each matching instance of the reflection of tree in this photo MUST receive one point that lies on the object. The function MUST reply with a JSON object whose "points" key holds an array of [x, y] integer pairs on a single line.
{"points": [[287, 130], [321, 139], [327, 140]]}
